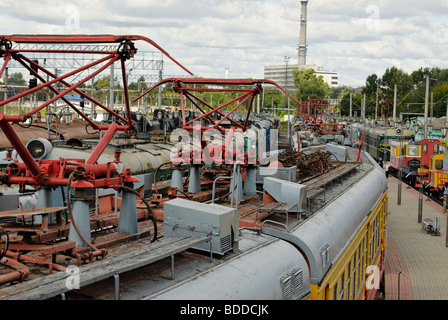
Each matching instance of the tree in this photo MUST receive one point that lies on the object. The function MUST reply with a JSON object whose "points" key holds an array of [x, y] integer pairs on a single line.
{"points": [[344, 97], [16, 79], [371, 86], [308, 83], [395, 77], [440, 94], [273, 98], [418, 76], [103, 83], [139, 85]]}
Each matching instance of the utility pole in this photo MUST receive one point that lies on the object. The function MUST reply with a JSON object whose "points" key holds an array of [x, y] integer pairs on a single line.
{"points": [[363, 107], [395, 103], [426, 107], [377, 103], [286, 88], [446, 115], [351, 104], [432, 104], [111, 87]]}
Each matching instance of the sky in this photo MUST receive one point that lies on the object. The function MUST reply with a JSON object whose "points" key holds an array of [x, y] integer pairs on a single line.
{"points": [[356, 38]]}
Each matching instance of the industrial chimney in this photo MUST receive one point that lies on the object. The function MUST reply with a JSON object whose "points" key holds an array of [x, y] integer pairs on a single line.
{"points": [[302, 42]]}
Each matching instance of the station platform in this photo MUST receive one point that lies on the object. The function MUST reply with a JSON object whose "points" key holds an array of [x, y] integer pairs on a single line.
{"points": [[416, 261]]}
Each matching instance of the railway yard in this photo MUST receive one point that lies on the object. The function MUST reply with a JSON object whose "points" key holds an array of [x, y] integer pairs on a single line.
{"points": [[211, 202]]}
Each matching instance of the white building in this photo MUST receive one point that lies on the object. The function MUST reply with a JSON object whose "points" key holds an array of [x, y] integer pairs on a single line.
{"points": [[278, 74]]}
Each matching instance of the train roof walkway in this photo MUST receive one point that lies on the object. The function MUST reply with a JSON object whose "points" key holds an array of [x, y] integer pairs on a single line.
{"points": [[416, 261]]}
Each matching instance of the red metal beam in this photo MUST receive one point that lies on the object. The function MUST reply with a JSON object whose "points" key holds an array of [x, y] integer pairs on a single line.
{"points": [[12, 136], [59, 51], [101, 146], [54, 172], [248, 93], [86, 39], [208, 81], [217, 109], [71, 88], [7, 58], [41, 86], [198, 106], [207, 113], [57, 92], [76, 90]]}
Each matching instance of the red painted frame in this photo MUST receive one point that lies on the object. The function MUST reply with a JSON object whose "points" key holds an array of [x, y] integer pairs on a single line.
{"points": [[55, 172]]}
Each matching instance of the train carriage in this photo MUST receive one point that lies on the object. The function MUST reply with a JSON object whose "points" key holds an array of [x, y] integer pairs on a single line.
{"points": [[377, 140], [357, 273]]}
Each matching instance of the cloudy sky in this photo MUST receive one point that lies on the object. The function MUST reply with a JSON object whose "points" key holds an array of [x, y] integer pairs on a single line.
{"points": [[354, 37]]}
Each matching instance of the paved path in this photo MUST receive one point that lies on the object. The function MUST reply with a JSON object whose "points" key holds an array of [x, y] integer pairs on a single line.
{"points": [[422, 257]]}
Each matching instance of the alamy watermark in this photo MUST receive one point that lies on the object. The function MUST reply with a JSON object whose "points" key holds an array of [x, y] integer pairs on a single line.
{"points": [[214, 147], [72, 21], [373, 279], [73, 279], [372, 20]]}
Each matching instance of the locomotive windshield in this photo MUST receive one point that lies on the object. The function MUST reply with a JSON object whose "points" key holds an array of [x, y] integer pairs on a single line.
{"points": [[412, 150]]}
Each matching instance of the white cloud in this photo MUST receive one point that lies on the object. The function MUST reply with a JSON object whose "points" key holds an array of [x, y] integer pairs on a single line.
{"points": [[354, 37]]}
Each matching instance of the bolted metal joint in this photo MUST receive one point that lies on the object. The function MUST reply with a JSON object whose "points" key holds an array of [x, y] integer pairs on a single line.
{"points": [[127, 50], [5, 46]]}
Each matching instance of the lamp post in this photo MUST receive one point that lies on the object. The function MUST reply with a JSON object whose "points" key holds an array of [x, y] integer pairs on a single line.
{"points": [[400, 166], [428, 128], [400, 163]]}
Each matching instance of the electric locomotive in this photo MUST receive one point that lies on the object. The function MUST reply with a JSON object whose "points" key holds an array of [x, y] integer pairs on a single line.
{"points": [[415, 166], [377, 140]]}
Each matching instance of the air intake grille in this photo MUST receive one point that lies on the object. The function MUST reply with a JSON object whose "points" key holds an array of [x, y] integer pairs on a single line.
{"points": [[226, 243], [287, 287], [298, 280], [292, 283]]}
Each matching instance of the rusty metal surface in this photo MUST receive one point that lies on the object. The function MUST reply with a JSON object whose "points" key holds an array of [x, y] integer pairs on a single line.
{"points": [[307, 164], [31, 212]]}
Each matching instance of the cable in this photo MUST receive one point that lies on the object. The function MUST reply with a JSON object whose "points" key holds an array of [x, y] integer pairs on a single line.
{"points": [[155, 175], [153, 218], [26, 127], [87, 131], [178, 190], [71, 213]]}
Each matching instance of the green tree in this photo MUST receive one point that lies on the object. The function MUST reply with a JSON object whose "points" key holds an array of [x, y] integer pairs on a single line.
{"points": [[139, 85], [440, 94], [16, 79], [371, 86], [395, 77], [273, 98], [103, 83], [344, 97], [308, 83]]}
